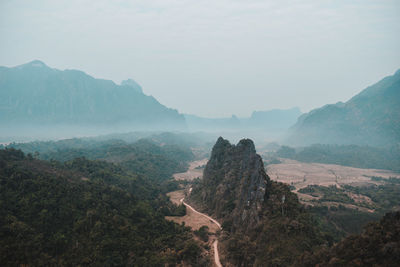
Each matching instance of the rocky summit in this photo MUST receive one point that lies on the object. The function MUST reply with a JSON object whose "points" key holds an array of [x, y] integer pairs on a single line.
{"points": [[262, 221], [234, 183]]}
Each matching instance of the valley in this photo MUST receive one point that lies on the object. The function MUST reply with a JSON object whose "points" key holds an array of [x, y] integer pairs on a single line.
{"points": [[199, 133]]}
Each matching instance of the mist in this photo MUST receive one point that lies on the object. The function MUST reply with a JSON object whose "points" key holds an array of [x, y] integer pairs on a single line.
{"points": [[80, 69], [213, 59], [199, 133]]}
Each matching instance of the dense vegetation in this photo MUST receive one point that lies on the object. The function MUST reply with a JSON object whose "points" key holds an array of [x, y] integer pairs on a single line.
{"points": [[341, 215], [285, 231], [144, 157], [103, 202], [331, 193], [381, 198], [385, 197], [340, 221], [377, 245], [85, 212], [346, 155]]}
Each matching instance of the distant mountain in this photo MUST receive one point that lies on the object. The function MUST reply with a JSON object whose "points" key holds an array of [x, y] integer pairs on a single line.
{"points": [[275, 119], [38, 95], [215, 124], [370, 118]]}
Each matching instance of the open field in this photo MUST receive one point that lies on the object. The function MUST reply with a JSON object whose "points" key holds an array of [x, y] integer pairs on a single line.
{"points": [[300, 174], [193, 172]]}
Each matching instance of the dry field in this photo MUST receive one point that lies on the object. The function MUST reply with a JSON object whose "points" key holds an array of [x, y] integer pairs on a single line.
{"points": [[300, 174], [192, 172], [191, 218]]}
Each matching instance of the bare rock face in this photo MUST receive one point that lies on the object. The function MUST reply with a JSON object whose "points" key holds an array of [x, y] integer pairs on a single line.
{"points": [[234, 184]]}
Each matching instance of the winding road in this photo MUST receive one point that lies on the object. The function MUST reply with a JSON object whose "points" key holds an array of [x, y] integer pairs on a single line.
{"points": [[215, 244], [193, 218]]}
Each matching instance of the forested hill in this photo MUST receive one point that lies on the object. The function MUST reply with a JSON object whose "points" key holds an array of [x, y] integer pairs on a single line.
{"points": [[84, 212], [36, 95], [377, 245], [370, 118], [143, 157]]}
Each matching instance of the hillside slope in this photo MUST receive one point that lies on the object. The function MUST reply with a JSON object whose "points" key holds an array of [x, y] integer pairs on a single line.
{"points": [[37, 95], [377, 245], [370, 118], [85, 212]]}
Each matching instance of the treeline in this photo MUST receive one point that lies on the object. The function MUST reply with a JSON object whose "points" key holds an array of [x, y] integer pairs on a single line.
{"points": [[338, 218], [346, 155], [84, 212], [144, 157], [285, 231]]}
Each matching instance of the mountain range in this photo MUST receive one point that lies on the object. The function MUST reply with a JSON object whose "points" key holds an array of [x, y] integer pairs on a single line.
{"points": [[39, 101], [35, 94]]}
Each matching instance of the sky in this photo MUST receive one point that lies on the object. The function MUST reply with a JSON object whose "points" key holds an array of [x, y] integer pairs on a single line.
{"points": [[213, 58]]}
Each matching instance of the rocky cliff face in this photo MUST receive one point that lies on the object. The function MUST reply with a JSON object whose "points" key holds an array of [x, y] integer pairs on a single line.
{"points": [[234, 183], [263, 222]]}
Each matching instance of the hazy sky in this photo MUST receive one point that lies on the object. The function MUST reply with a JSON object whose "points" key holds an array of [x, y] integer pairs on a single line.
{"points": [[213, 57]]}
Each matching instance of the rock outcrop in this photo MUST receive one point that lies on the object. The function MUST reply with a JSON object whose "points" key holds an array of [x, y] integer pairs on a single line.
{"points": [[263, 222], [234, 183]]}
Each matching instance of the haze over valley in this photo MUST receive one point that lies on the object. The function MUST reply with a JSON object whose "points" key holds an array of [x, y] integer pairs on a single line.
{"points": [[187, 133]]}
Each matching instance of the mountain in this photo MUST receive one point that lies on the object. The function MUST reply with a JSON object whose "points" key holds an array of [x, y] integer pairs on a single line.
{"points": [[370, 118], [234, 182], [275, 119], [271, 120], [37, 95], [132, 84], [263, 222]]}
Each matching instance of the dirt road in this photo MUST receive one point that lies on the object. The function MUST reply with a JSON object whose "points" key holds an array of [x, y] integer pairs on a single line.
{"points": [[215, 244], [216, 255], [194, 218]]}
